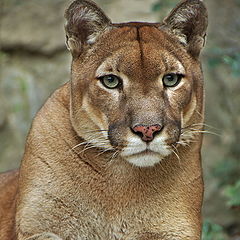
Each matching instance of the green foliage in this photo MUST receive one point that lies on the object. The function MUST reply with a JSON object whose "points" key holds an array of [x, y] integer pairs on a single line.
{"points": [[3, 56], [227, 171], [156, 6], [231, 59], [232, 192], [233, 62], [237, 2], [215, 57], [23, 88], [160, 5], [23, 85], [212, 231], [17, 107]]}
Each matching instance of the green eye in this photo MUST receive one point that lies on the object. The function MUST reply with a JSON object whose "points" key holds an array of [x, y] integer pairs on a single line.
{"points": [[171, 79], [111, 81]]}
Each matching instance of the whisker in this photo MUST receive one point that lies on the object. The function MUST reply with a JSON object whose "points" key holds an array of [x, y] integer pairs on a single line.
{"points": [[99, 130], [204, 124], [183, 143], [87, 147], [96, 137], [175, 148], [198, 124], [86, 143], [80, 144], [92, 139], [205, 131], [179, 160], [200, 114], [114, 155], [195, 124], [102, 152]]}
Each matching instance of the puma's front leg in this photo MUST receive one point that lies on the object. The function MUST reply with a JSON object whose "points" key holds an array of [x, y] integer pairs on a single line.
{"points": [[43, 236]]}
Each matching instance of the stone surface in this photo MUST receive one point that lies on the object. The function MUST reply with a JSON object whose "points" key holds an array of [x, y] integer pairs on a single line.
{"points": [[26, 83], [37, 25]]}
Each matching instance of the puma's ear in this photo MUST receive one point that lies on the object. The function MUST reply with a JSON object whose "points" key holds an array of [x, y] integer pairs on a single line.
{"points": [[188, 21], [85, 21]]}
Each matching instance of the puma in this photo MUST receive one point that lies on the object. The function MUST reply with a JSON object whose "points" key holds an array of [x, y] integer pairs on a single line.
{"points": [[114, 154]]}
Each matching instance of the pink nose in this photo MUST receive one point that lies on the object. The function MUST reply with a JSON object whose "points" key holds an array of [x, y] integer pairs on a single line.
{"points": [[147, 133]]}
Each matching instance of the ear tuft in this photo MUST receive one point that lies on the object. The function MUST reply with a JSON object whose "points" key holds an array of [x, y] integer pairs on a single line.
{"points": [[85, 21], [188, 21]]}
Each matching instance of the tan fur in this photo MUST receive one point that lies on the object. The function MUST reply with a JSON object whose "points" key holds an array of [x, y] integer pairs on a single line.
{"points": [[76, 179]]}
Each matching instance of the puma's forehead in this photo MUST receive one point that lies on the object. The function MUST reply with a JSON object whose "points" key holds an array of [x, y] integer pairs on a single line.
{"points": [[143, 34], [127, 48]]}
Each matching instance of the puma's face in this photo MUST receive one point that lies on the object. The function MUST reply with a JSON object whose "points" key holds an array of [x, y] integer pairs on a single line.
{"points": [[133, 93], [136, 87]]}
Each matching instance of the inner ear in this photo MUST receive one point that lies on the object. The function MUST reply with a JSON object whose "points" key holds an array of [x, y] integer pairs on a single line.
{"points": [[85, 21], [188, 22]]}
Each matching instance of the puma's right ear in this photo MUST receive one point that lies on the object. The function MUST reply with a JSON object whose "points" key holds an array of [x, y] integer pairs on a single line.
{"points": [[188, 21], [85, 21]]}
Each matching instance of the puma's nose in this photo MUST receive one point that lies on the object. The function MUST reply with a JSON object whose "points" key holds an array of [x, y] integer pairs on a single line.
{"points": [[147, 133]]}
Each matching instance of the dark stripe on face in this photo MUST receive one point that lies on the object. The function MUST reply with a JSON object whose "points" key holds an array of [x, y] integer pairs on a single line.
{"points": [[140, 47], [115, 133]]}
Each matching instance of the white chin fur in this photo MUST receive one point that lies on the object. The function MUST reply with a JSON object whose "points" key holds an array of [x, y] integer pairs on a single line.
{"points": [[135, 153], [144, 159]]}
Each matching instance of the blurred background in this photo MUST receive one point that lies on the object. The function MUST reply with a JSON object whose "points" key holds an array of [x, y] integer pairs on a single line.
{"points": [[34, 62]]}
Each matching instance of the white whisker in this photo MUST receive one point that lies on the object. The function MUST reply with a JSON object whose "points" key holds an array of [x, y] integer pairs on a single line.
{"points": [[204, 131], [80, 144], [102, 152], [114, 155], [179, 160]]}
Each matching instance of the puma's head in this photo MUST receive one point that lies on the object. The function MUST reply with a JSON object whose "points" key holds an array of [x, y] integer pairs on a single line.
{"points": [[135, 87]]}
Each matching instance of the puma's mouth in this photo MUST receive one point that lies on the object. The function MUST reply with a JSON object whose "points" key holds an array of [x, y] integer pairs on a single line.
{"points": [[147, 151], [145, 158], [143, 155]]}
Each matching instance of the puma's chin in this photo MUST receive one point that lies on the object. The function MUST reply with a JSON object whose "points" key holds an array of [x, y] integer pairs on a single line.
{"points": [[144, 159]]}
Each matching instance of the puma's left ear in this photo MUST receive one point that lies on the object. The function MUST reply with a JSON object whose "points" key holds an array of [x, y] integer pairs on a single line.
{"points": [[188, 21], [85, 21]]}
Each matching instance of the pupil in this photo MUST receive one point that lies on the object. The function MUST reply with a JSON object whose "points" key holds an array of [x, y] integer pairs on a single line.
{"points": [[170, 78], [111, 79]]}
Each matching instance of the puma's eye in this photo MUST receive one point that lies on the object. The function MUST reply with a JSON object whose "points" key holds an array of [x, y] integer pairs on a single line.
{"points": [[111, 81], [171, 79]]}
